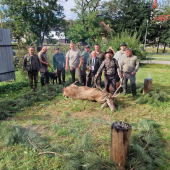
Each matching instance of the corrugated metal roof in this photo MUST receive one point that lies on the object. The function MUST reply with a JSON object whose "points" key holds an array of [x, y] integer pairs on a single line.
{"points": [[6, 56]]}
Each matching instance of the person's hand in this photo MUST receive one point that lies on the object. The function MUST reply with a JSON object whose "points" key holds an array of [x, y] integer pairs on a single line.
{"points": [[113, 50], [79, 66], [90, 68], [132, 73], [96, 75], [41, 70], [120, 75], [66, 68], [55, 71], [25, 71], [48, 64]]}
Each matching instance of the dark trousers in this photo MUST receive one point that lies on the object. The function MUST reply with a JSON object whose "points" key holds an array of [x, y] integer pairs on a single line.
{"points": [[132, 78], [110, 80], [84, 72], [78, 72], [59, 72], [99, 80], [90, 79], [33, 75], [44, 76]]}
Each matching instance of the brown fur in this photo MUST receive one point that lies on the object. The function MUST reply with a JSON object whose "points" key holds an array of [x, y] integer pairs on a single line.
{"points": [[87, 93]]}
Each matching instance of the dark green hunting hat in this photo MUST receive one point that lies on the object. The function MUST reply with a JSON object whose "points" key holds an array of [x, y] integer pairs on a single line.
{"points": [[109, 51], [123, 44]]}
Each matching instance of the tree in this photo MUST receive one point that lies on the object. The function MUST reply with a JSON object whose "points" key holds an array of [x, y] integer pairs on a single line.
{"points": [[128, 15], [88, 25], [36, 16]]}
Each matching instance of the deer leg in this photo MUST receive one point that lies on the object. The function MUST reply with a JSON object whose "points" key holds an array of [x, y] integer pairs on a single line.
{"points": [[104, 105]]}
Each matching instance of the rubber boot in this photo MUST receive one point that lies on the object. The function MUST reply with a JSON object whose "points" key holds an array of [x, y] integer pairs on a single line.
{"points": [[42, 81], [133, 88]]}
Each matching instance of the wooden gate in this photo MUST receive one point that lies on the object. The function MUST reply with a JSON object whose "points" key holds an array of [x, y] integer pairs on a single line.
{"points": [[7, 71]]}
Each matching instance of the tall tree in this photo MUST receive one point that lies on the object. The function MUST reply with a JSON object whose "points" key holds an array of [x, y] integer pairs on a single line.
{"points": [[39, 16], [128, 15], [87, 26]]}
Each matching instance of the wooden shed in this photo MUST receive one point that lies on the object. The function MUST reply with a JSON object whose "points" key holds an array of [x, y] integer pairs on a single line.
{"points": [[7, 71]]}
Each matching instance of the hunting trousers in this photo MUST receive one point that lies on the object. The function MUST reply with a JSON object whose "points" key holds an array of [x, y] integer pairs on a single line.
{"points": [[132, 78], [33, 75], [44, 76], [90, 79], [78, 72], [110, 80], [59, 72]]}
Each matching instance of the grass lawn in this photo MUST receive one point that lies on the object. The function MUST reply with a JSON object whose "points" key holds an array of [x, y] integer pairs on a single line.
{"points": [[65, 121]]}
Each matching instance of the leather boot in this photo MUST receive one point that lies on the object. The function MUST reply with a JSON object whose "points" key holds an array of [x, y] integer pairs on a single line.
{"points": [[42, 81]]}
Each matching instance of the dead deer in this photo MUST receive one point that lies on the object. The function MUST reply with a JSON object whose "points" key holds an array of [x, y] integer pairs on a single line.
{"points": [[92, 94]]}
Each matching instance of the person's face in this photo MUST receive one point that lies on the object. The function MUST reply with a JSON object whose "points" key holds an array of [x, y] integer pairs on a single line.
{"points": [[129, 53], [109, 55], [123, 48], [87, 50], [97, 48], [72, 46], [31, 51], [57, 51], [44, 50], [93, 54]]}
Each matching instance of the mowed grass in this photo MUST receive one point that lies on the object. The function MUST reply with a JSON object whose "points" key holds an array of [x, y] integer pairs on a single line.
{"points": [[64, 120], [154, 50]]}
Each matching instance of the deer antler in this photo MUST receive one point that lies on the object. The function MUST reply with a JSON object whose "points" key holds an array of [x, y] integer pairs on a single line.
{"points": [[121, 85]]}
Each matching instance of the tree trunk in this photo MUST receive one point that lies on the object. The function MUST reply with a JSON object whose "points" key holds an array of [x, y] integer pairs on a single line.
{"points": [[164, 48], [158, 47], [147, 86], [120, 143]]}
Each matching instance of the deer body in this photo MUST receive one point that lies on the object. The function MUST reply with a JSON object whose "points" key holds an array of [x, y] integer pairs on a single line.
{"points": [[92, 94]]}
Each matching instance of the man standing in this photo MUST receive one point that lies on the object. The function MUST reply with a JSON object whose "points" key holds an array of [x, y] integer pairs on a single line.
{"points": [[110, 65], [119, 55], [129, 67], [59, 63], [101, 56], [31, 65], [44, 65], [85, 55], [93, 64], [75, 59]]}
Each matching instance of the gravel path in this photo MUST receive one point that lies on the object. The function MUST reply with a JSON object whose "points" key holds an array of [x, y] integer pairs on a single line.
{"points": [[155, 62]]}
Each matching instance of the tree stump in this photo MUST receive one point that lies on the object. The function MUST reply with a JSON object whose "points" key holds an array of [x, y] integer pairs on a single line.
{"points": [[120, 143], [147, 86]]}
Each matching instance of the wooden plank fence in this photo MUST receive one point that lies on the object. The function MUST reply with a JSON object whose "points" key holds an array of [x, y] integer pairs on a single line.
{"points": [[7, 71]]}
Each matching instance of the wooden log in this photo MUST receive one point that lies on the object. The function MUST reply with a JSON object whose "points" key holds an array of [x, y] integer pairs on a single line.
{"points": [[120, 143], [147, 86]]}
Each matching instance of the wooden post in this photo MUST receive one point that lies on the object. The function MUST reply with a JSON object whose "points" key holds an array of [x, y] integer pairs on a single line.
{"points": [[120, 143], [147, 85]]}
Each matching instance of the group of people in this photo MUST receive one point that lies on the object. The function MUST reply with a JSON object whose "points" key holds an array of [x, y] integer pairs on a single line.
{"points": [[120, 65]]}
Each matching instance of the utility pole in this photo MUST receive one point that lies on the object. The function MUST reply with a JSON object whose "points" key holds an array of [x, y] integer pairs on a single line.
{"points": [[1, 19], [146, 34]]}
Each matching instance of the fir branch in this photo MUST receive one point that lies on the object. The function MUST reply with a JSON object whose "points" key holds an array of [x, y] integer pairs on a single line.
{"points": [[41, 153]]}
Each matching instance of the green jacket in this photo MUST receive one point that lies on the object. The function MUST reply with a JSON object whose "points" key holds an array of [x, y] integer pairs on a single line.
{"points": [[31, 63]]}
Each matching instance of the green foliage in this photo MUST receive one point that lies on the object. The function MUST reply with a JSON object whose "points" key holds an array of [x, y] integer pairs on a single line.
{"points": [[13, 87], [129, 14], [154, 98], [146, 152], [37, 17], [147, 149], [132, 41], [11, 106]]}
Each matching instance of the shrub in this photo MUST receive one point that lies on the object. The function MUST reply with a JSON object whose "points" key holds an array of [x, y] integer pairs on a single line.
{"points": [[132, 41]]}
